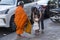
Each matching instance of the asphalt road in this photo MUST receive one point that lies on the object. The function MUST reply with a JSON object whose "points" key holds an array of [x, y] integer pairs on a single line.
{"points": [[4, 32], [51, 32]]}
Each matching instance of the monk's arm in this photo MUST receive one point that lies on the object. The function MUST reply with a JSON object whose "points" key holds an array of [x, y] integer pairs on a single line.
{"points": [[24, 21]]}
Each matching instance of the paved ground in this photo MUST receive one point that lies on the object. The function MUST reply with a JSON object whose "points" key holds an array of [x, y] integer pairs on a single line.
{"points": [[4, 32], [51, 32]]}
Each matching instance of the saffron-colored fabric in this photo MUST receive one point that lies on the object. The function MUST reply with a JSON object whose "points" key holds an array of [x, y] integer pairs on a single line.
{"points": [[29, 27], [20, 19]]}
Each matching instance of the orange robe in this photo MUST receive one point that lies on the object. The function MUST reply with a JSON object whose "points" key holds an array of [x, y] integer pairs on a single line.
{"points": [[20, 19]]}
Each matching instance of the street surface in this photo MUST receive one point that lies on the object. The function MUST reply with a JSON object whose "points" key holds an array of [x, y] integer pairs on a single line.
{"points": [[4, 32], [51, 32]]}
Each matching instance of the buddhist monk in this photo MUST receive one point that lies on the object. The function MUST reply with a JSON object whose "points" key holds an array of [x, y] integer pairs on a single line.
{"points": [[20, 19]]}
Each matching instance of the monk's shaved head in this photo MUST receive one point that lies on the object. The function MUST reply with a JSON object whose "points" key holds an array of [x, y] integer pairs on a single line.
{"points": [[21, 3]]}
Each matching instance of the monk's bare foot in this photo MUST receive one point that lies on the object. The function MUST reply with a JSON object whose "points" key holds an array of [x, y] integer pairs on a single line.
{"points": [[18, 36]]}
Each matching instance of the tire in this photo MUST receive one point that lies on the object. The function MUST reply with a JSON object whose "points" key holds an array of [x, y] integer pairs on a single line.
{"points": [[12, 24], [55, 20]]}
